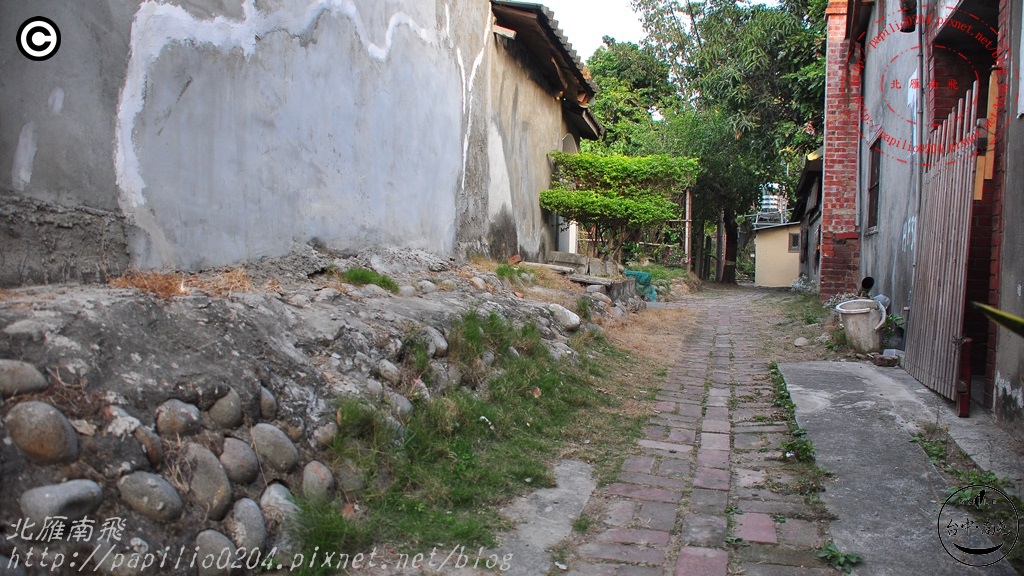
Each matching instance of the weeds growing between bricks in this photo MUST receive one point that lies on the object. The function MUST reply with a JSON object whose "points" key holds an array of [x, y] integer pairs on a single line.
{"points": [[800, 450]]}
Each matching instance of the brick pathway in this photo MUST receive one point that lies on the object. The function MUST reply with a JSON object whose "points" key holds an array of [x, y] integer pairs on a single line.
{"points": [[707, 494]]}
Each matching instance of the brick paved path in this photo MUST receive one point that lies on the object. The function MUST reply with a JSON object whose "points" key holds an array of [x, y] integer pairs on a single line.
{"points": [[708, 493]]}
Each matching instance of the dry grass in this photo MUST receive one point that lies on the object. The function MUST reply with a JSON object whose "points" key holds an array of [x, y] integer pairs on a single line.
{"points": [[177, 467], [682, 287], [548, 278], [223, 284], [604, 434], [162, 284], [657, 335], [784, 316], [169, 285]]}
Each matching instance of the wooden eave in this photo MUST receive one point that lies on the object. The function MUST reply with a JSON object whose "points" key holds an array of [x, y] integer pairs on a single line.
{"points": [[556, 61]]}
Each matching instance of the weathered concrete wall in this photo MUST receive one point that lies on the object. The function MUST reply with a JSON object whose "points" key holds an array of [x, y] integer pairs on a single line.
{"points": [[524, 125], [223, 130], [887, 251], [45, 242], [59, 216], [1009, 369]]}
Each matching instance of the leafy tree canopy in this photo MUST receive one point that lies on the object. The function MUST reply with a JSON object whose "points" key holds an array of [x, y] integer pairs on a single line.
{"points": [[761, 66], [633, 84], [630, 176]]}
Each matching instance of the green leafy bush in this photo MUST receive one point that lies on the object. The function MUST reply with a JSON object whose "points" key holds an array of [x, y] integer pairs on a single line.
{"points": [[618, 197]]}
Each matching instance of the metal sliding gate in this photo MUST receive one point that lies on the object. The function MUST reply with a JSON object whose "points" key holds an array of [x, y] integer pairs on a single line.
{"points": [[935, 325]]}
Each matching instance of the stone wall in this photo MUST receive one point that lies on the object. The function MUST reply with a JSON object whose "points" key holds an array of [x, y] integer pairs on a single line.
{"points": [[201, 421]]}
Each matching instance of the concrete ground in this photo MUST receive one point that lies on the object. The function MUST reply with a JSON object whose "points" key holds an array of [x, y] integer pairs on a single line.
{"points": [[886, 494]]}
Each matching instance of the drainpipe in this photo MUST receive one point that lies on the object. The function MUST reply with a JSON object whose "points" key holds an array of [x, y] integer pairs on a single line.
{"points": [[921, 134], [921, 103]]}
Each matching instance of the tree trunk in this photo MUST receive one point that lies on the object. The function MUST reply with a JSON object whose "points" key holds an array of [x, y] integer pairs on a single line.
{"points": [[729, 256], [697, 258], [720, 246], [707, 258]]}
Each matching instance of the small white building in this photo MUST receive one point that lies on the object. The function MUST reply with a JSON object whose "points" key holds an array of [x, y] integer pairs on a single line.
{"points": [[777, 254]]}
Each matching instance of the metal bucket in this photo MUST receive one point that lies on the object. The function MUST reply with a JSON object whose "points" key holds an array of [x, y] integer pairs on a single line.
{"points": [[862, 320]]}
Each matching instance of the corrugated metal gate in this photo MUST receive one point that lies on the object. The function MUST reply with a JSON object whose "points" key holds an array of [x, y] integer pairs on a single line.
{"points": [[935, 325]]}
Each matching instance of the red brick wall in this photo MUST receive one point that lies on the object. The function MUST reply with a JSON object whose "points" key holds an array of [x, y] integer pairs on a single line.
{"points": [[976, 325], [840, 242], [945, 66]]}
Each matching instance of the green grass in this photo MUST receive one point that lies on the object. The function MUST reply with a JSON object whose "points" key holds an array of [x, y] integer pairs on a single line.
{"points": [[934, 448], [837, 341], [473, 335], [799, 446], [461, 454], [582, 523], [803, 308], [838, 559], [363, 276], [583, 309], [798, 449], [962, 473], [780, 394], [510, 272], [416, 356]]}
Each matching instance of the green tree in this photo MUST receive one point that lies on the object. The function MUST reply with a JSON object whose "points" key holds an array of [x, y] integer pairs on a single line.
{"points": [[633, 85], [729, 176], [761, 65], [752, 84]]}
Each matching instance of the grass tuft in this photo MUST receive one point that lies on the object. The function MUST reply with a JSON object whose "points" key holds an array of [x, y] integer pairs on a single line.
{"points": [[364, 276], [583, 309]]}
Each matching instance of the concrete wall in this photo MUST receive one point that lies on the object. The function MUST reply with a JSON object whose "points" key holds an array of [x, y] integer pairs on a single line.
{"points": [[887, 251], [524, 125], [1009, 361], [774, 264], [213, 131]]}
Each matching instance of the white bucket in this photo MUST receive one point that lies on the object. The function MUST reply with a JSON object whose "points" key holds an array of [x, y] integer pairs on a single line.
{"points": [[862, 320]]}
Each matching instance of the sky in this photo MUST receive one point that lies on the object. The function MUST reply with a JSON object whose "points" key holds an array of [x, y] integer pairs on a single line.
{"points": [[585, 22]]}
